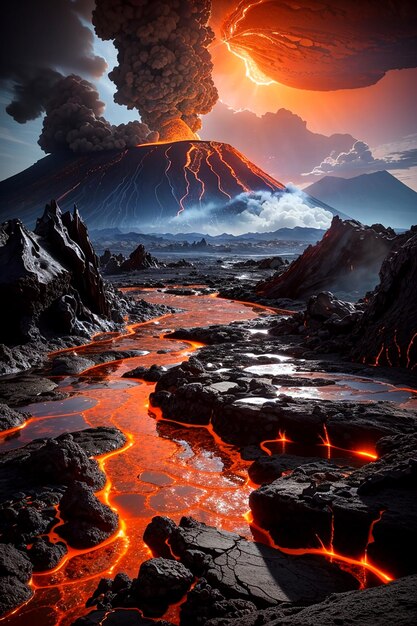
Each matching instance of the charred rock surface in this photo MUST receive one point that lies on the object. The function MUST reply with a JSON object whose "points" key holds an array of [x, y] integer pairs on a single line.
{"points": [[51, 281], [118, 617], [160, 582], [43, 477], [387, 331], [197, 392], [371, 606], [9, 418], [235, 576], [151, 374], [340, 505], [348, 258], [249, 571], [15, 573]]}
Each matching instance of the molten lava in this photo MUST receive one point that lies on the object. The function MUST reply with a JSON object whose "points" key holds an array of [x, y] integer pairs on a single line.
{"points": [[176, 130], [165, 468]]}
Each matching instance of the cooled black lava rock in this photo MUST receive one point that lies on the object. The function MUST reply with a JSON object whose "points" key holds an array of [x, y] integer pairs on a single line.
{"points": [[24, 389], [151, 374], [205, 602], [266, 469], [320, 501], [34, 478], [348, 258], [68, 364], [118, 617], [249, 571], [87, 520], [387, 331], [45, 555], [9, 418], [160, 582], [375, 606], [15, 572], [139, 259]]}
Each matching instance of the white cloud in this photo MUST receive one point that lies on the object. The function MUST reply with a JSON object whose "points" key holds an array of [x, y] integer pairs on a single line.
{"points": [[262, 211], [360, 159]]}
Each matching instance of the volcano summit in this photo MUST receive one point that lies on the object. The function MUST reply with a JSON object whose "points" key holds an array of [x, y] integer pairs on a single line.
{"points": [[145, 188]]}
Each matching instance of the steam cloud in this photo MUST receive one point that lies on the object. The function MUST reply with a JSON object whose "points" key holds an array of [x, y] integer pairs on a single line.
{"points": [[164, 65], [73, 109], [265, 211]]}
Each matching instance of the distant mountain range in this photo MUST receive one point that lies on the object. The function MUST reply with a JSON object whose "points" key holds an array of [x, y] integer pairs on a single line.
{"points": [[369, 198], [307, 235]]}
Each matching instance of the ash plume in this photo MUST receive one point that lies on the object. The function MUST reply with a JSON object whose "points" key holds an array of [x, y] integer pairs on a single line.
{"points": [[45, 36], [40, 41], [74, 121], [164, 66]]}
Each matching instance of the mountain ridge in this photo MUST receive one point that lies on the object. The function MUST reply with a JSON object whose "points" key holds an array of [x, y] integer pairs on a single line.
{"points": [[370, 198]]}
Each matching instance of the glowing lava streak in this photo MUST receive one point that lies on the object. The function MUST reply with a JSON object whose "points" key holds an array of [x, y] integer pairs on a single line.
{"points": [[216, 148], [209, 154], [280, 439], [326, 442], [228, 32], [326, 552], [187, 188]]}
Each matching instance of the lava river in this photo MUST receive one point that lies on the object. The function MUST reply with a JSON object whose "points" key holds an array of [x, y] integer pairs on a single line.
{"points": [[164, 468]]}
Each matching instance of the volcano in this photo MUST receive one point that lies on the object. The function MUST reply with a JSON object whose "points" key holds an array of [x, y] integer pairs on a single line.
{"points": [[143, 188]]}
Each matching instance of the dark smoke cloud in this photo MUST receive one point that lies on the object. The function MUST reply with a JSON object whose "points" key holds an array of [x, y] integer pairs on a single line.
{"points": [[164, 66], [39, 39], [42, 38], [73, 121]]}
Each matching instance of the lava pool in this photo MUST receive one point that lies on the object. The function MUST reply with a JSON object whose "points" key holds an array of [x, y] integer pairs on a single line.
{"points": [[165, 468]]}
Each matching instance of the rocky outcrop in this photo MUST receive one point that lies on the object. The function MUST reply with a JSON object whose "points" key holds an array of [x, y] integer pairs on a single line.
{"points": [[50, 279], [9, 418], [340, 507], [234, 576], [139, 259], [347, 259], [37, 481], [387, 331], [374, 606], [15, 573]]}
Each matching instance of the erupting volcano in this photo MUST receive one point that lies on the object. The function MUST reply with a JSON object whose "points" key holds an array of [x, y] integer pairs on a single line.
{"points": [[148, 187]]}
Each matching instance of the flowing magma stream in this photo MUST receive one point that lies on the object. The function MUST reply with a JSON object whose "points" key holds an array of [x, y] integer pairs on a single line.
{"points": [[165, 468]]}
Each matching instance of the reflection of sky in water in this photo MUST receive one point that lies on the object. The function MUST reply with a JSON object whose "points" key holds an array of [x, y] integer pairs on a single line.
{"points": [[346, 387], [272, 369]]}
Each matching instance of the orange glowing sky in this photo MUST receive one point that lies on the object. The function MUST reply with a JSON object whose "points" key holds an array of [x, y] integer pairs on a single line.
{"points": [[299, 52], [377, 108]]}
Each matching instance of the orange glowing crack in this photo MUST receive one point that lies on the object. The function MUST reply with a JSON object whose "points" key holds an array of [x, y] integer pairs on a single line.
{"points": [[219, 186], [241, 184], [326, 552], [326, 442], [280, 439]]}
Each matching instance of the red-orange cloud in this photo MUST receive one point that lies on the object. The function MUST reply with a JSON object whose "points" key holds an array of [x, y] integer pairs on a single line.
{"points": [[321, 45]]}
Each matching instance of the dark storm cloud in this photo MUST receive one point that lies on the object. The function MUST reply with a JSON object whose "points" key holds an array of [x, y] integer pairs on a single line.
{"points": [[164, 66], [323, 44]]}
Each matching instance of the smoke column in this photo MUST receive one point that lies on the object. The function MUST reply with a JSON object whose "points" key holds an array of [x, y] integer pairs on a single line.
{"points": [[73, 121], [50, 34], [164, 66]]}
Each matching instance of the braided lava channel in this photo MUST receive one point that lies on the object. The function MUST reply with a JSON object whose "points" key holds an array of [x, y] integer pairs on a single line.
{"points": [[164, 468]]}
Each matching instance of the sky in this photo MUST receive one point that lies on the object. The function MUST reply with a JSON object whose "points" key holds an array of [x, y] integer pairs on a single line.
{"points": [[304, 90]]}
